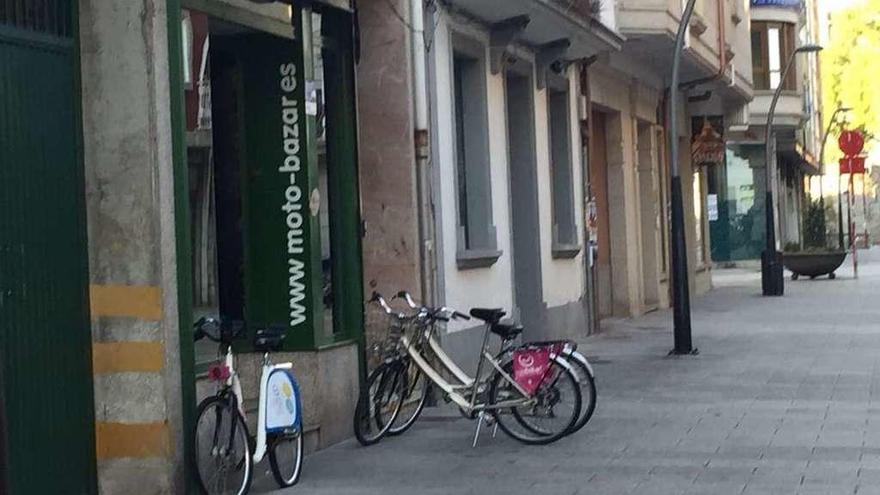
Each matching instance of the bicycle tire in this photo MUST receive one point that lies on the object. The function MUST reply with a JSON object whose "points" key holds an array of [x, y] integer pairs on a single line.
{"points": [[588, 389], [223, 407], [400, 427], [366, 411], [536, 438], [284, 439]]}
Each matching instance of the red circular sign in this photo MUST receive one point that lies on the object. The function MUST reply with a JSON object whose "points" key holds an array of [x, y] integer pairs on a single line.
{"points": [[851, 142]]}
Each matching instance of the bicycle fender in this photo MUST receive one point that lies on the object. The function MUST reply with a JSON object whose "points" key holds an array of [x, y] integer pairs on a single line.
{"points": [[577, 356]]}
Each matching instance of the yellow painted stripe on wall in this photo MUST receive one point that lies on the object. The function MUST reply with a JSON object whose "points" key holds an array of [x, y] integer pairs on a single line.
{"points": [[139, 441], [133, 301], [120, 357]]}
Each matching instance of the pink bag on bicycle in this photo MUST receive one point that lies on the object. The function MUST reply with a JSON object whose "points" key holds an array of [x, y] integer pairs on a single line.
{"points": [[530, 366]]}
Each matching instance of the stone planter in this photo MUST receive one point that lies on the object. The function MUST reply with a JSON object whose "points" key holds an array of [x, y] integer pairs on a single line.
{"points": [[813, 264]]}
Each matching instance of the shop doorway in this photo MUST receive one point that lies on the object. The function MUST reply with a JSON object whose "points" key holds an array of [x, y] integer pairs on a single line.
{"points": [[599, 188], [274, 208], [528, 286]]}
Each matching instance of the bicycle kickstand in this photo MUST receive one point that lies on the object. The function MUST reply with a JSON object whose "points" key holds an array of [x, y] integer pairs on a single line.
{"points": [[480, 418]]}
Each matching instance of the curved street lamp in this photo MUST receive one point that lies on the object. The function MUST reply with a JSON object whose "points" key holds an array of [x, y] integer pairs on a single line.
{"points": [[772, 283], [833, 121], [681, 298]]}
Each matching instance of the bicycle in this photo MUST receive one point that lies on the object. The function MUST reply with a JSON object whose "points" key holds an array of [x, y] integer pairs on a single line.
{"points": [[566, 348], [388, 389], [225, 453], [533, 403]]}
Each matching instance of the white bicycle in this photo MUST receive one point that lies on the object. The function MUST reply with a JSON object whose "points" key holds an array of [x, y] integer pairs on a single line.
{"points": [[225, 453]]}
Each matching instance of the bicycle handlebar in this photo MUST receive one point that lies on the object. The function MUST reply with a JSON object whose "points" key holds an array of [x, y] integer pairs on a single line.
{"points": [[436, 313], [378, 299]]}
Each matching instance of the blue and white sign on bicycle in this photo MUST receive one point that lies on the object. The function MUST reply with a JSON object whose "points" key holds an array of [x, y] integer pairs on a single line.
{"points": [[282, 402]]}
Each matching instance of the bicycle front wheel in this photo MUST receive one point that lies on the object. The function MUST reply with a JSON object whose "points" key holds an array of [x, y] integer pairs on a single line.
{"points": [[550, 414], [224, 465], [417, 390], [285, 458], [379, 403]]}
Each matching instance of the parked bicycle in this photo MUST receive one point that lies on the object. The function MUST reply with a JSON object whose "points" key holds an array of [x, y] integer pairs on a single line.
{"points": [[225, 452], [396, 391], [531, 392], [565, 348]]}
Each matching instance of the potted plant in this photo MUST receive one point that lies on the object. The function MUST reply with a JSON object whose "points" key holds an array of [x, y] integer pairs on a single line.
{"points": [[814, 258]]}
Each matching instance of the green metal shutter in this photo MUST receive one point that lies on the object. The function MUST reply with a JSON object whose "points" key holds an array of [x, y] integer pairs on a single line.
{"points": [[45, 340]]}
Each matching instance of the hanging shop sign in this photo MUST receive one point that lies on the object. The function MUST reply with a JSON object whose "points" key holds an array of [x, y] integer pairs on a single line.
{"points": [[707, 145]]}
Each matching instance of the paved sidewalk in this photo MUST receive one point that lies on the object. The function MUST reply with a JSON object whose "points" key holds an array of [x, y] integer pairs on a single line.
{"points": [[784, 398]]}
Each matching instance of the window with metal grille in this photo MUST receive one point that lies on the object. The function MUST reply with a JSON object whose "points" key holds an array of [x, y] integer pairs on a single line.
{"points": [[52, 17]]}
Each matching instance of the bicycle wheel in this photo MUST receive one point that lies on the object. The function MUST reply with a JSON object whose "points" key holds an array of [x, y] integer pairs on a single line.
{"points": [[588, 388], [285, 458], [222, 454], [555, 408], [378, 404], [415, 397]]}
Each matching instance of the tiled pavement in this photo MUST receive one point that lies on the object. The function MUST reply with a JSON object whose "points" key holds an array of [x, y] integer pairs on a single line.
{"points": [[783, 398]]}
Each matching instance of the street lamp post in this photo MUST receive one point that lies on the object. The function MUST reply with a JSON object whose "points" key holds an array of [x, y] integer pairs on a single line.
{"points": [[772, 283], [822, 176], [831, 123], [680, 291]]}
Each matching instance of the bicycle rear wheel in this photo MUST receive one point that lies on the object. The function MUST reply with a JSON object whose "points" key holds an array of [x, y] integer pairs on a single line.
{"points": [[588, 388], [551, 415], [222, 454], [379, 404], [285, 458], [417, 391]]}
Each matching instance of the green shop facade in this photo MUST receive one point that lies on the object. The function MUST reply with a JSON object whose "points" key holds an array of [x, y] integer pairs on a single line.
{"points": [[240, 117], [267, 156]]}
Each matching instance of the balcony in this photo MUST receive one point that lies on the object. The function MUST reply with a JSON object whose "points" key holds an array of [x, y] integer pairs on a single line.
{"points": [[789, 109], [650, 27], [549, 21]]}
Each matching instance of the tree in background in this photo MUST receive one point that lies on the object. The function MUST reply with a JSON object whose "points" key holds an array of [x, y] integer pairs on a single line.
{"points": [[850, 65], [849, 70]]}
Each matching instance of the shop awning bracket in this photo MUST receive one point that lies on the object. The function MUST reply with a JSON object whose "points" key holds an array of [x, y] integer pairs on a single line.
{"points": [[548, 54], [502, 35]]}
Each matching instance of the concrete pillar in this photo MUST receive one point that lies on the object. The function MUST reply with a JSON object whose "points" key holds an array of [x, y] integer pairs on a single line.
{"points": [[649, 201], [388, 173], [623, 215], [132, 257]]}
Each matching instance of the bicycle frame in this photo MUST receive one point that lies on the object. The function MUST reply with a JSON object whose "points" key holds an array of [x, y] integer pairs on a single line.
{"points": [[234, 383], [453, 391]]}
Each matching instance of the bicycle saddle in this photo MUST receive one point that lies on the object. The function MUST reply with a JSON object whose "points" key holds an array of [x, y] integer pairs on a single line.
{"points": [[506, 330], [269, 339], [488, 315]]}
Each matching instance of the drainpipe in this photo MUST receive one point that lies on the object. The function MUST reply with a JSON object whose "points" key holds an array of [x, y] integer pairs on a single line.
{"points": [[586, 123], [421, 144], [722, 53]]}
